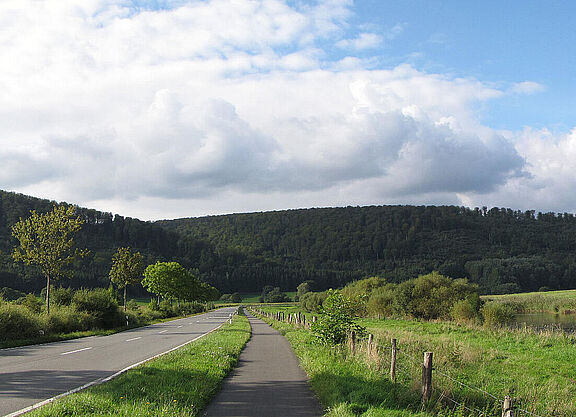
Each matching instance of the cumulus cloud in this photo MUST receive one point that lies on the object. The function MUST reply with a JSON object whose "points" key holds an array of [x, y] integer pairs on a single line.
{"points": [[527, 87], [231, 106]]}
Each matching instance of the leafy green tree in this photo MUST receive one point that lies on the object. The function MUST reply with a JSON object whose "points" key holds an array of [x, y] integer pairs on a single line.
{"points": [[127, 268], [165, 279], [303, 288], [46, 240], [337, 319]]}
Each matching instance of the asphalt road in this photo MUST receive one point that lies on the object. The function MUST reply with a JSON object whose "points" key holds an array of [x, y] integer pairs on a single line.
{"points": [[268, 381], [31, 374]]}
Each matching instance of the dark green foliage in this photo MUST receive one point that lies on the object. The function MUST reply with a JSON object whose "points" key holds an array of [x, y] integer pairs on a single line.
{"points": [[312, 301], [100, 304], [18, 322], [10, 294], [31, 302], [232, 298], [337, 320], [62, 296], [273, 295], [493, 248], [303, 288]]}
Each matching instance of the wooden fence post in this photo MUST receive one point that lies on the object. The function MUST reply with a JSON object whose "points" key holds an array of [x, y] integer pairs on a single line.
{"points": [[393, 362], [369, 345], [507, 409], [427, 376]]}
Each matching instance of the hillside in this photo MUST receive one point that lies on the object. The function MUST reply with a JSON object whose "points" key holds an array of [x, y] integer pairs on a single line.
{"points": [[500, 249]]}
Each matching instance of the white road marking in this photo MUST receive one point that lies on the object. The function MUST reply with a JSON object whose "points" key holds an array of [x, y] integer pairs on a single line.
{"points": [[163, 331], [178, 327], [134, 338], [74, 351]]}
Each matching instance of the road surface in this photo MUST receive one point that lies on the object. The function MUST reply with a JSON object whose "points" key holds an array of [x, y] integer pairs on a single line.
{"points": [[31, 374]]}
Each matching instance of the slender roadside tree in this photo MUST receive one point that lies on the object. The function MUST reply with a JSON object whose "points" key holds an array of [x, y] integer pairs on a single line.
{"points": [[46, 241], [127, 268], [166, 279]]}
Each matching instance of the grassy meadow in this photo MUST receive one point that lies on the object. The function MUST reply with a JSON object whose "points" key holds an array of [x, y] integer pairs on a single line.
{"points": [[180, 383], [563, 302], [474, 367]]}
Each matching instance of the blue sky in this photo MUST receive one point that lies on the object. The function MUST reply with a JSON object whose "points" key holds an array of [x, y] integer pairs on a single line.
{"points": [[503, 42], [173, 108]]}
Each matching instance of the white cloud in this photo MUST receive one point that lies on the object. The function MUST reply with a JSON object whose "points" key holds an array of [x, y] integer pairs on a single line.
{"points": [[362, 41], [225, 106], [527, 87]]}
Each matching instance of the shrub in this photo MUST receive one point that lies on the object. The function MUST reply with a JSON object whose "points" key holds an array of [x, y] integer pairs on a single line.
{"points": [[166, 308], [61, 296], [273, 295], [101, 304], [431, 296], [154, 305], [185, 309], [31, 302], [18, 322], [66, 319], [381, 301], [132, 305], [10, 294], [467, 310], [312, 301], [497, 314], [337, 319]]}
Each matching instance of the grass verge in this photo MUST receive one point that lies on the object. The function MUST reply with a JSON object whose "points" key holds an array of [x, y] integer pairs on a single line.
{"points": [[180, 383]]}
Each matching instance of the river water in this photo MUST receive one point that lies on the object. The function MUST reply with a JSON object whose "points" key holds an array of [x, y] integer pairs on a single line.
{"points": [[566, 322]]}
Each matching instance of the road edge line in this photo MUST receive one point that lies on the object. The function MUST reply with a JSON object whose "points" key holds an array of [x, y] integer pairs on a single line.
{"points": [[108, 378]]}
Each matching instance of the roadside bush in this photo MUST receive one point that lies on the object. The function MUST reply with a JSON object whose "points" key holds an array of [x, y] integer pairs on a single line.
{"points": [[10, 294], [191, 307], [497, 314], [154, 305], [101, 304], [132, 305], [66, 319], [61, 296], [31, 302], [167, 308], [18, 322]]}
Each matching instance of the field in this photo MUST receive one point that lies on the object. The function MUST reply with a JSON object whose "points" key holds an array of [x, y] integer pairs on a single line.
{"points": [[536, 302], [473, 366], [180, 383]]}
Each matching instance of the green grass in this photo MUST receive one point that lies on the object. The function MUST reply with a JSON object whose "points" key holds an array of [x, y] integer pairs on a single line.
{"points": [[537, 370], [252, 298], [534, 302], [180, 383]]}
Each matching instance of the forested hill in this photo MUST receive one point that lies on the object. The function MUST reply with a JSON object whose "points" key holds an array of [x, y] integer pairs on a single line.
{"points": [[102, 234], [500, 249]]}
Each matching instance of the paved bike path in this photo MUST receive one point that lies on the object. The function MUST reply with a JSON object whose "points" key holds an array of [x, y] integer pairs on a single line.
{"points": [[268, 381]]}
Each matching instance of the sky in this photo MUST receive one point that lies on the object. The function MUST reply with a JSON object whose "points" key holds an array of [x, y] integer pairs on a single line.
{"points": [[163, 109]]}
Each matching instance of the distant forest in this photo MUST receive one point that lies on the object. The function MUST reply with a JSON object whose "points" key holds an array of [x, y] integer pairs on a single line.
{"points": [[499, 249]]}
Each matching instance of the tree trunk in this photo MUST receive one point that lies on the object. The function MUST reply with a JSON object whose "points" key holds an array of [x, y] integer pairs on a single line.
{"points": [[47, 293], [125, 298]]}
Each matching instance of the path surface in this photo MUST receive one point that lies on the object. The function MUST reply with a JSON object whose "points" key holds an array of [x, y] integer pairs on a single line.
{"points": [[31, 374], [268, 381]]}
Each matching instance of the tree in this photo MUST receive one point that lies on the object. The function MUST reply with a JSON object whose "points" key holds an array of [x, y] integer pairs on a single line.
{"points": [[46, 240], [337, 319], [127, 268], [165, 279]]}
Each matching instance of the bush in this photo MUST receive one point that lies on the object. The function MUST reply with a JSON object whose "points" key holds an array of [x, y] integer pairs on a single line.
{"points": [[188, 308], [467, 310], [312, 301], [497, 314], [132, 305], [431, 296], [381, 301], [154, 305], [31, 302], [337, 319], [273, 295], [101, 304], [10, 294], [18, 322], [166, 308], [66, 319], [61, 296]]}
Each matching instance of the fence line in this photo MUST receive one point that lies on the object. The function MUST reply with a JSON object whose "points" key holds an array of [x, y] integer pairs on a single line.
{"points": [[299, 320]]}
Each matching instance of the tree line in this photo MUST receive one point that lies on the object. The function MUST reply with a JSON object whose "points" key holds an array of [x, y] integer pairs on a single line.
{"points": [[500, 250]]}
